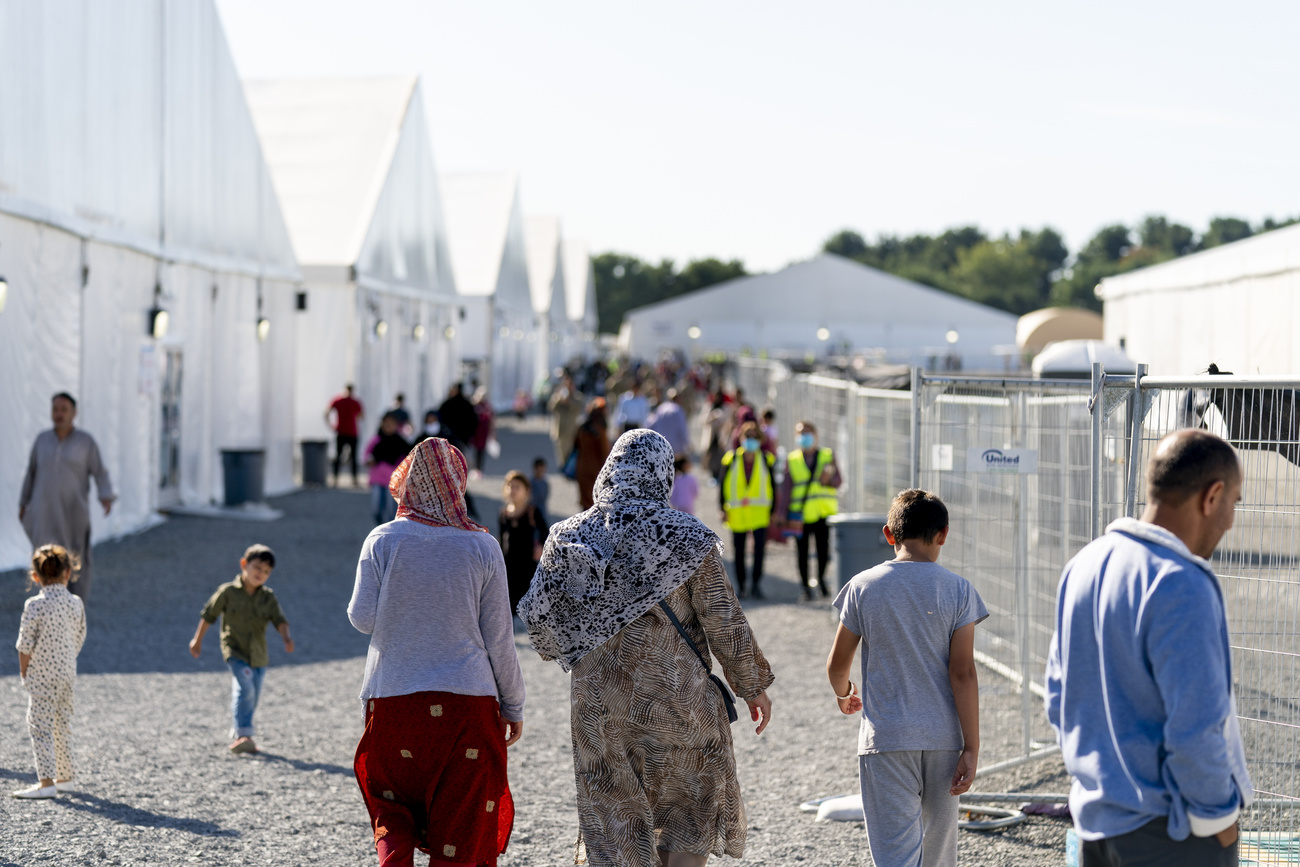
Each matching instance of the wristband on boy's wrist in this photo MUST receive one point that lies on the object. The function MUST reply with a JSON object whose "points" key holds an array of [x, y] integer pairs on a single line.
{"points": [[853, 690]]}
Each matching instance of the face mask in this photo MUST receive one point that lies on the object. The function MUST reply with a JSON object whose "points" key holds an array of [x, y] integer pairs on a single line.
{"points": [[432, 428], [752, 445], [807, 441]]}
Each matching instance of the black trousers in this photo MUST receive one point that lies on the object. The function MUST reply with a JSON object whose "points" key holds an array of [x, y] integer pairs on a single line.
{"points": [[1150, 846], [341, 440], [819, 531], [738, 540]]}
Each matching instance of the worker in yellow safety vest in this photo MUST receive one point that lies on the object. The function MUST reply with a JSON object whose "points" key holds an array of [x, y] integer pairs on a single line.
{"points": [[808, 496], [747, 493]]}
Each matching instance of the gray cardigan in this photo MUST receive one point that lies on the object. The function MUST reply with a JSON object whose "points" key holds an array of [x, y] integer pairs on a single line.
{"points": [[435, 604]]}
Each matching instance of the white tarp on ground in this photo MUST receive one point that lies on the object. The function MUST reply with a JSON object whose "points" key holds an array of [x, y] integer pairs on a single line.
{"points": [[352, 161], [488, 254], [1237, 306], [580, 296], [860, 308], [555, 344], [128, 145]]}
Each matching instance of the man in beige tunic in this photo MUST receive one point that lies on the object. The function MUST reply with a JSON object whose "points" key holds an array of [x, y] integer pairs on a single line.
{"points": [[55, 502]]}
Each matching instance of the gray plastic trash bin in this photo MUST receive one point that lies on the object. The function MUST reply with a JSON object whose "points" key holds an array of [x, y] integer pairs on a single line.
{"points": [[242, 470], [859, 544], [315, 462]]}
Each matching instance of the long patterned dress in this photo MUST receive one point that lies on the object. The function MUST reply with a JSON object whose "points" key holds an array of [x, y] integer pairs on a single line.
{"points": [[651, 742]]}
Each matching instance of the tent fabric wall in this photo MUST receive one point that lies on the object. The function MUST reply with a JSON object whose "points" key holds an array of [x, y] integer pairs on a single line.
{"points": [[1232, 305], [580, 296]]}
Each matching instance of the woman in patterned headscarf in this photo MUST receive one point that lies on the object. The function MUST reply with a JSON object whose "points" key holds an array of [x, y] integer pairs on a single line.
{"points": [[443, 692], [651, 740]]}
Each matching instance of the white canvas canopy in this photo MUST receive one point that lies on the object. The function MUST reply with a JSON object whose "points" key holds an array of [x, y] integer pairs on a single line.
{"points": [[546, 278], [131, 178], [1237, 306], [485, 226], [352, 161], [827, 303], [580, 295]]}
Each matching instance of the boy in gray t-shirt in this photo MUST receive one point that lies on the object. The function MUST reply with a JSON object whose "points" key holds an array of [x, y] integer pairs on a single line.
{"points": [[919, 738]]}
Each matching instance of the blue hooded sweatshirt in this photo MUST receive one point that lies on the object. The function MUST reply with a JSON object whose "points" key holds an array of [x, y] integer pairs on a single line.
{"points": [[1139, 688]]}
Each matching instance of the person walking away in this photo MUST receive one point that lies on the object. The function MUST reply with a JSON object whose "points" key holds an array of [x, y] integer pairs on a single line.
{"points": [[715, 432], [245, 606], [565, 406], [443, 693], [771, 431], [592, 444], [918, 743], [669, 420], [807, 497], [522, 530], [746, 495], [631, 410], [347, 415], [632, 597], [50, 635], [384, 452], [403, 417], [540, 485], [1139, 672], [483, 432], [458, 418], [54, 505], [686, 488]]}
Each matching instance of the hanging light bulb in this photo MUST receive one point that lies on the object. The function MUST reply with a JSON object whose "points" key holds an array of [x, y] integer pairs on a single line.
{"points": [[381, 329], [263, 328], [449, 332], [159, 319], [417, 333], [4, 293]]}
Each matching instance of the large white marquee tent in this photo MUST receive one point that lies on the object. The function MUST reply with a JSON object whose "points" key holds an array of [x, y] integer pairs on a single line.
{"points": [[580, 295], [555, 343], [826, 304], [352, 161], [489, 256], [130, 179], [1237, 306]]}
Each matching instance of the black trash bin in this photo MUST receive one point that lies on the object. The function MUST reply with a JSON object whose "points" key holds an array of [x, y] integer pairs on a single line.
{"points": [[859, 544], [315, 462], [243, 471]]}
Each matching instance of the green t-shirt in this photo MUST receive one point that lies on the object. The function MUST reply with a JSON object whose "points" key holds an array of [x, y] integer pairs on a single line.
{"points": [[243, 621]]}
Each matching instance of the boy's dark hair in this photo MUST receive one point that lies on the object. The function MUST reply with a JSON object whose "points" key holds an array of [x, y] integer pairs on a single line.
{"points": [[1187, 462], [680, 462], [69, 398], [917, 514], [768, 413], [260, 552], [539, 462]]}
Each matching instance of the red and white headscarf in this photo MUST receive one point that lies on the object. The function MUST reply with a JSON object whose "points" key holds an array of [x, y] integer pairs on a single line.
{"points": [[429, 486]]}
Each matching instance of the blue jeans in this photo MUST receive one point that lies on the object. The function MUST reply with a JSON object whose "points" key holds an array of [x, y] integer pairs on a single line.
{"points": [[245, 690], [383, 508]]}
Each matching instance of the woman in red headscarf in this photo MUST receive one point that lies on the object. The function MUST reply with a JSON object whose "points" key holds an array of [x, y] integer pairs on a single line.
{"points": [[443, 692]]}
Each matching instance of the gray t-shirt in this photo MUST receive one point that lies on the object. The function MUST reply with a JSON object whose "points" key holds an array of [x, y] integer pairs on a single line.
{"points": [[906, 614]]}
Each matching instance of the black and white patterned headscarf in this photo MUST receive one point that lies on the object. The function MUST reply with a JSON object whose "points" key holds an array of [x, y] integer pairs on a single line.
{"points": [[605, 567]]}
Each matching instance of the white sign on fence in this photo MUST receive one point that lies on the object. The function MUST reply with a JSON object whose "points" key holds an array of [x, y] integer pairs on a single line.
{"points": [[1003, 462], [940, 457]]}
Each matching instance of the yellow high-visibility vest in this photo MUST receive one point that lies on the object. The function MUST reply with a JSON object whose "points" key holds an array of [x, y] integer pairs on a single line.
{"points": [[819, 501], [748, 500]]}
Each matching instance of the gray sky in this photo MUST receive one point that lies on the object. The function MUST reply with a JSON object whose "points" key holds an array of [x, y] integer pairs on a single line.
{"points": [[755, 130]]}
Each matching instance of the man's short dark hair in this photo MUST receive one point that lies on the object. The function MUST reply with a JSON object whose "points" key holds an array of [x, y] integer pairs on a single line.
{"points": [[1187, 462], [539, 462], [69, 398], [260, 552], [917, 514]]}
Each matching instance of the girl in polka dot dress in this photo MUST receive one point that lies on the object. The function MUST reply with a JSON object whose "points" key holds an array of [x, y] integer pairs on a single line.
{"points": [[50, 636]]}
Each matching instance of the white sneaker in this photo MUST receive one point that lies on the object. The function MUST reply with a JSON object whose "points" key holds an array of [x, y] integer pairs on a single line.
{"points": [[63, 785], [36, 791]]}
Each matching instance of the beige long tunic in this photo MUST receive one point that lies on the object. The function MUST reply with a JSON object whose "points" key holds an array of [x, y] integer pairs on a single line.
{"points": [[56, 495], [651, 743]]}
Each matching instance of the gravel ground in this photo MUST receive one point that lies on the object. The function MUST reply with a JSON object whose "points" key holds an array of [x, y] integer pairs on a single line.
{"points": [[157, 786]]}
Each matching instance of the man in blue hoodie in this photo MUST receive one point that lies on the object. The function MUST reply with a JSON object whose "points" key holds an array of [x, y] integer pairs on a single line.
{"points": [[1139, 677]]}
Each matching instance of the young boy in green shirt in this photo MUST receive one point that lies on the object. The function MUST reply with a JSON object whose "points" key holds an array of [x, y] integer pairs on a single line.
{"points": [[245, 606]]}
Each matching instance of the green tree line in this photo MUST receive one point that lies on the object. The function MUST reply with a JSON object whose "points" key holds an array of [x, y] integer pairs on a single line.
{"points": [[1019, 272]]}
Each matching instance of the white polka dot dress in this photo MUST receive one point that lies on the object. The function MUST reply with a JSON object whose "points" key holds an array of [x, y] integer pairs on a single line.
{"points": [[52, 632]]}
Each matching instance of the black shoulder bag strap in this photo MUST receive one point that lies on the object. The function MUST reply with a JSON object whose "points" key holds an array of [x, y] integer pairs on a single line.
{"points": [[727, 698]]}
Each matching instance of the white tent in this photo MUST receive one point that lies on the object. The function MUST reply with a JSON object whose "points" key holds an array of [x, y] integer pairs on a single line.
{"points": [[826, 304], [555, 342], [488, 255], [131, 178], [1237, 306], [580, 295], [1073, 359], [352, 161]]}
